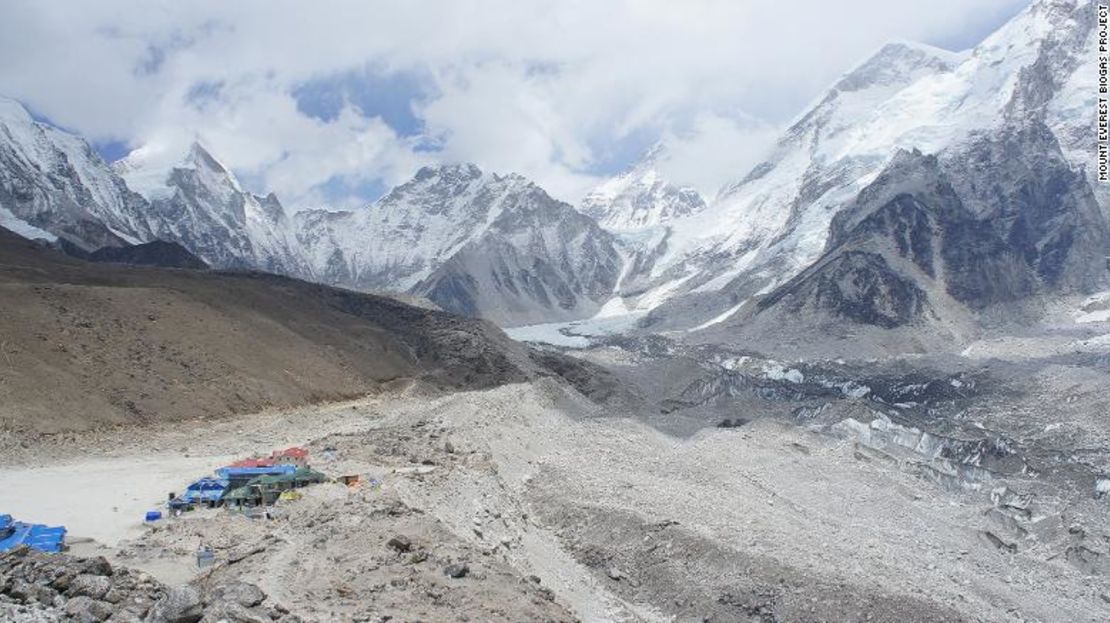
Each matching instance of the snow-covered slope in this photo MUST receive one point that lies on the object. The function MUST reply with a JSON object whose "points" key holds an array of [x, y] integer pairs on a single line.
{"points": [[53, 182], [490, 245], [400, 239], [641, 198], [201, 205], [764, 229]]}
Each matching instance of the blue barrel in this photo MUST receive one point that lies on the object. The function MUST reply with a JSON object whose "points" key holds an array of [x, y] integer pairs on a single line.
{"points": [[153, 515]]}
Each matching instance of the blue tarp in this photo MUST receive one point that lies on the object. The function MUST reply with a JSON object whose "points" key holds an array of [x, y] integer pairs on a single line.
{"points": [[205, 490], [16, 533], [228, 473]]}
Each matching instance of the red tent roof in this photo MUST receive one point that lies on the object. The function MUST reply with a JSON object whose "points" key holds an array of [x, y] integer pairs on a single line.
{"points": [[294, 452], [253, 463]]}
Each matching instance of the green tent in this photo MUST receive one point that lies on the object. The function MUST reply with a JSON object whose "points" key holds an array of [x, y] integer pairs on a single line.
{"points": [[304, 476], [243, 495]]}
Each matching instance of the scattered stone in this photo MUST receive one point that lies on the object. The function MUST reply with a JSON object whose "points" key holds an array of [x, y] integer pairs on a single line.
{"points": [[456, 571], [400, 542], [998, 542]]}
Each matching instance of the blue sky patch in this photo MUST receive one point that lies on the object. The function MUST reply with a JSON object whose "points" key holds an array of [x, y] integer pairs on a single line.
{"points": [[389, 95], [339, 189]]}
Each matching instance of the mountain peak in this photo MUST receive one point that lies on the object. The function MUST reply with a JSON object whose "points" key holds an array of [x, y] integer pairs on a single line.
{"points": [[448, 171], [896, 60], [640, 197], [199, 156]]}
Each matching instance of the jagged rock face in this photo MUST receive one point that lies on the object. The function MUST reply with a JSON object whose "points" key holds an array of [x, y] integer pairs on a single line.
{"points": [[480, 244], [1027, 203], [203, 208], [477, 243], [1003, 219], [53, 184], [539, 261], [1008, 121], [1016, 96], [860, 287], [767, 227], [399, 240]]}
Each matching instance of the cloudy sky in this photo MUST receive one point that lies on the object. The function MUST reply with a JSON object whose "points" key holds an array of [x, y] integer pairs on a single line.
{"points": [[329, 103]]}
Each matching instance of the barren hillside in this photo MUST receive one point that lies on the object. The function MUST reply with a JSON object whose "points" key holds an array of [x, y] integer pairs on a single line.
{"points": [[84, 345]]}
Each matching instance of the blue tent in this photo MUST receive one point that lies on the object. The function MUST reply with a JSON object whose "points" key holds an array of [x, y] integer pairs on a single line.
{"points": [[205, 490], [16, 533], [240, 473]]}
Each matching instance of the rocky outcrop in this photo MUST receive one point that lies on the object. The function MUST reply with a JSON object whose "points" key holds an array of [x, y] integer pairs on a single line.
{"points": [[203, 207], [1001, 220], [35, 586]]}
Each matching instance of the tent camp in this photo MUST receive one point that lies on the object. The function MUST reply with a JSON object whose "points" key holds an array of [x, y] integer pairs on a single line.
{"points": [[266, 489], [240, 476], [205, 491]]}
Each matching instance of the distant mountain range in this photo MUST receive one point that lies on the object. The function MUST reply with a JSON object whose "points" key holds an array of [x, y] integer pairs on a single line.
{"points": [[924, 186]]}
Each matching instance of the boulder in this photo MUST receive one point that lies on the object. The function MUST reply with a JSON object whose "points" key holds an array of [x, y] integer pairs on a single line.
{"points": [[94, 586], [457, 570], [179, 605], [235, 592], [400, 542]]}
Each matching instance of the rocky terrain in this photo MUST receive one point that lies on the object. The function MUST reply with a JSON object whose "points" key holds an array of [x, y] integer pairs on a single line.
{"points": [[528, 500], [56, 587], [480, 244], [155, 253]]}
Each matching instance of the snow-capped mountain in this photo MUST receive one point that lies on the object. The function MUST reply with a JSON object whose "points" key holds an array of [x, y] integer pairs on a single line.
{"points": [[915, 248], [400, 239], [922, 184], [776, 221], [199, 204], [490, 245], [641, 198], [52, 183]]}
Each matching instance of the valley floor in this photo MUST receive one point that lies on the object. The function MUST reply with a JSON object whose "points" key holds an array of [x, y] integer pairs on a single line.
{"points": [[558, 510]]}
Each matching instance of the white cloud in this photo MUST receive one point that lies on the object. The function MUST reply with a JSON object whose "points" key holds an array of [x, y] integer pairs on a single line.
{"points": [[528, 86], [714, 150]]}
